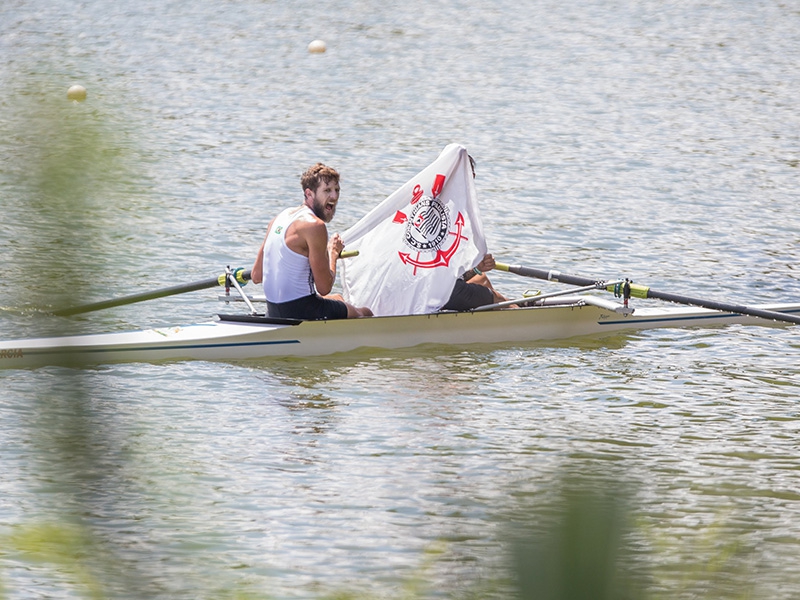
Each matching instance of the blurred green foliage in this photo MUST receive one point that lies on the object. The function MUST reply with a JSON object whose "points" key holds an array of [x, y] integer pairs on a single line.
{"points": [[63, 163], [67, 549], [578, 548]]}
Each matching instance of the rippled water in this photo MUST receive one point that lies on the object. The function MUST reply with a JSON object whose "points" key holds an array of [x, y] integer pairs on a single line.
{"points": [[646, 139]]}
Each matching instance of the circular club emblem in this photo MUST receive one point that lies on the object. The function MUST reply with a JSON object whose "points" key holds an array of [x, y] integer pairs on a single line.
{"points": [[427, 227]]}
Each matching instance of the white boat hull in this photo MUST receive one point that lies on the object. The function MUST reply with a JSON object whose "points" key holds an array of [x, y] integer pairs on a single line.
{"points": [[225, 340]]}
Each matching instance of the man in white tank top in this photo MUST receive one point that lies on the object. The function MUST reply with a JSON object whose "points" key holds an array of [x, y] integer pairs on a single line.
{"points": [[297, 262]]}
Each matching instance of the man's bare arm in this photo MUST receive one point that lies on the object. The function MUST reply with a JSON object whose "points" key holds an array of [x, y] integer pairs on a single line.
{"points": [[257, 272], [322, 262]]}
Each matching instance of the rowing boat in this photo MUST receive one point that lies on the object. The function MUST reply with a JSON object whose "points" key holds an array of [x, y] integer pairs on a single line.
{"points": [[247, 337]]}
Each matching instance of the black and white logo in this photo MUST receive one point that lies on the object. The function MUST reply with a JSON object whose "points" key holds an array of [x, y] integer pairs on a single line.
{"points": [[428, 225]]}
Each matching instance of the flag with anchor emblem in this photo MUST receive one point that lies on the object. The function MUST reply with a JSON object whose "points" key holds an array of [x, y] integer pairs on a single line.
{"points": [[416, 243]]}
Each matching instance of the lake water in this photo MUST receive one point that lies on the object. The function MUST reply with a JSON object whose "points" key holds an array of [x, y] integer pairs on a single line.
{"points": [[653, 140]]}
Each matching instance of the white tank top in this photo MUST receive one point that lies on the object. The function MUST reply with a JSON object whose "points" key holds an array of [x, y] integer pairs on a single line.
{"points": [[287, 274]]}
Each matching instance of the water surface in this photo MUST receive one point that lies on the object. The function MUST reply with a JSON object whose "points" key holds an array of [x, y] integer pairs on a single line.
{"points": [[652, 140]]}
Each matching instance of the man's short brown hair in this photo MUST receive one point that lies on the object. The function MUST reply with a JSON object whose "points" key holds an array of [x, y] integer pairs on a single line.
{"points": [[317, 174]]}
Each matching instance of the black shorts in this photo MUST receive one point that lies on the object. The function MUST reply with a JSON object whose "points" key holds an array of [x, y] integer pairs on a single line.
{"points": [[466, 296], [311, 308]]}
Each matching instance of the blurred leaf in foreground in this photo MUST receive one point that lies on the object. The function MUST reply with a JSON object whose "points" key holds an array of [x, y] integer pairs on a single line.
{"points": [[61, 546], [63, 169], [578, 549]]}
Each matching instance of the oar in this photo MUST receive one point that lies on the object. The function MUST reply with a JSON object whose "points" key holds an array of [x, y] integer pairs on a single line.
{"points": [[640, 291], [240, 274]]}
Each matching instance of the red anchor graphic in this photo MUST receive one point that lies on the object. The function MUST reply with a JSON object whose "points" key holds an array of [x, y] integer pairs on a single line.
{"points": [[442, 258]]}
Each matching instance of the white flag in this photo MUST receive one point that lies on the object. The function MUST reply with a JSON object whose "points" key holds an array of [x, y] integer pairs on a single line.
{"points": [[416, 243]]}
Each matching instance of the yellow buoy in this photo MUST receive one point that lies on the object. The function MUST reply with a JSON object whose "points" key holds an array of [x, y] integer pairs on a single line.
{"points": [[77, 93], [317, 47]]}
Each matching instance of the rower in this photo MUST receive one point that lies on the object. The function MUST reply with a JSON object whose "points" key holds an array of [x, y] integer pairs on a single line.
{"points": [[297, 261], [473, 288]]}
